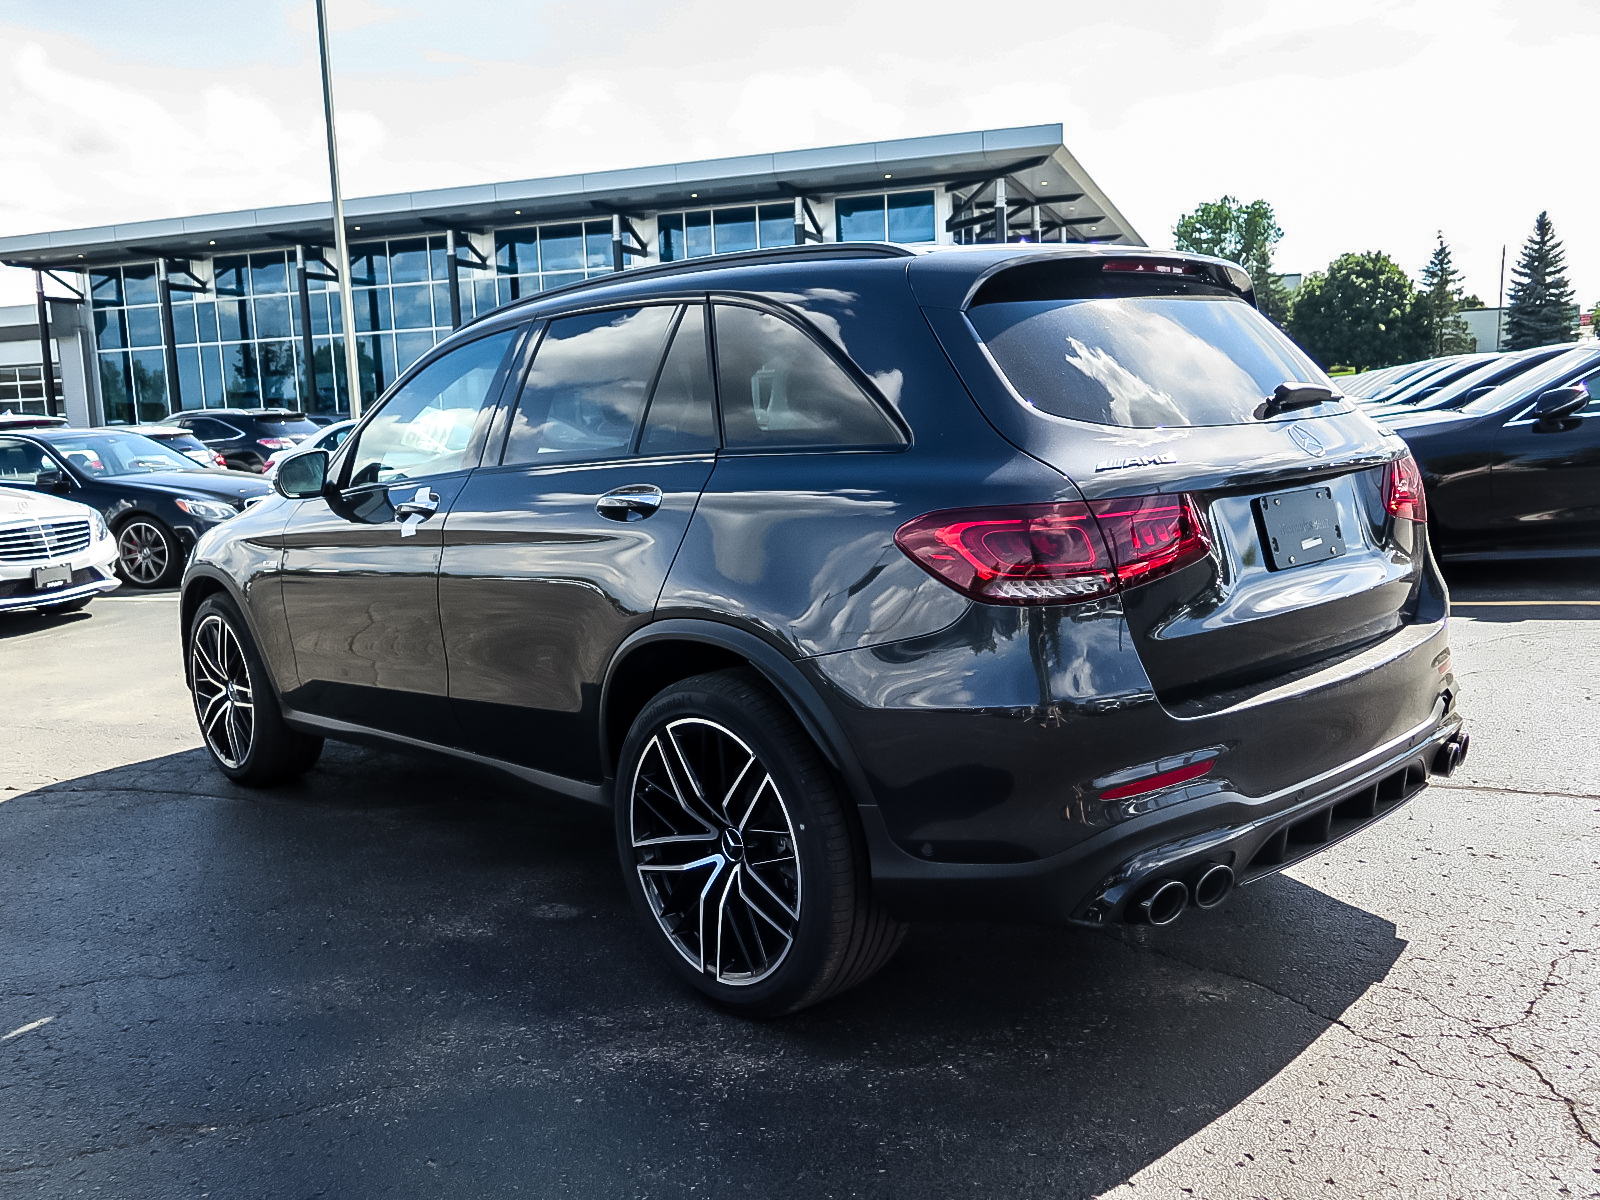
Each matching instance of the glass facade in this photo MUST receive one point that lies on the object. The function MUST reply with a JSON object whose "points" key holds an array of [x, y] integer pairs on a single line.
{"points": [[536, 258], [885, 217], [22, 391], [239, 346], [702, 231]]}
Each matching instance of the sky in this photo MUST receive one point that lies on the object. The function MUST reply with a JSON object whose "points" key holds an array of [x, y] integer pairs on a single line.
{"points": [[1367, 124]]}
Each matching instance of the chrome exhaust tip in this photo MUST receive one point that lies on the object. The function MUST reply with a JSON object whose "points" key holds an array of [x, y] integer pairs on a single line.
{"points": [[1162, 903], [1213, 885], [1451, 755]]}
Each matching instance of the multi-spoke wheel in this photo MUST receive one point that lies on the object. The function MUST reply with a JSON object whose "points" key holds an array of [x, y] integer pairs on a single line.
{"points": [[146, 552], [240, 719], [739, 852], [220, 679]]}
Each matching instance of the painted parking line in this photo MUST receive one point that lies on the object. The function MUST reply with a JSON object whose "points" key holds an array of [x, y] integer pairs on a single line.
{"points": [[1524, 603], [28, 1028]]}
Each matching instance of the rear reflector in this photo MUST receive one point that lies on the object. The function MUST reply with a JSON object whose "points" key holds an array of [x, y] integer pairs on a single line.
{"points": [[1166, 779], [1056, 553], [1403, 494]]}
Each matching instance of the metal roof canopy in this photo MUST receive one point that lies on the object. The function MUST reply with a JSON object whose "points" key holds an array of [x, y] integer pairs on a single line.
{"points": [[1033, 155]]}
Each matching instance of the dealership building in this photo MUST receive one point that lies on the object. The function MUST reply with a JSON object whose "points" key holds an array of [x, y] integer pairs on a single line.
{"points": [[233, 309]]}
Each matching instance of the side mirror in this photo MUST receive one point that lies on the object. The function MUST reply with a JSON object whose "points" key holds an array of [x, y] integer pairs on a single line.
{"points": [[1560, 402], [303, 475], [52, 479]]}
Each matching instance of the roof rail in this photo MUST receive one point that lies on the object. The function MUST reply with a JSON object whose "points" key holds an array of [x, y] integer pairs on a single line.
{"points": [[711, 262]]}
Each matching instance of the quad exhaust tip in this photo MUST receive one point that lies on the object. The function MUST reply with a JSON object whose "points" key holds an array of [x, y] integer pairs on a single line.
{"points": [[1212, 886], [1451, 755], [1162, 903]]}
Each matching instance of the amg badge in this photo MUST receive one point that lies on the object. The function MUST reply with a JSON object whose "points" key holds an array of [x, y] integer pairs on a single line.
{"points": [[1143, 460]]}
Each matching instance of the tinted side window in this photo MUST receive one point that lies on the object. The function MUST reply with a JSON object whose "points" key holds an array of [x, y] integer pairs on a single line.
{"points": [[586, 389], [779, 388], [425, 427], [21, 462], [682, 417]]}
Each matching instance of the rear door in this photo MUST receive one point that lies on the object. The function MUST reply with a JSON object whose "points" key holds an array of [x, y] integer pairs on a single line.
{"points": [[1546, 477], [558, 550], [361, 562]]}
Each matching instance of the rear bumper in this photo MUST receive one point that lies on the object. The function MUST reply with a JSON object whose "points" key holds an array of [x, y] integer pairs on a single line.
{"points": [[1096, 881], [999, 809]]}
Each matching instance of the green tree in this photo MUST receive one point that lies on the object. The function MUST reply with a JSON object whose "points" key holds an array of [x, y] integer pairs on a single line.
{"points": [[1438, 304], [1541, 311], [1358, 313], [1242, 233]]}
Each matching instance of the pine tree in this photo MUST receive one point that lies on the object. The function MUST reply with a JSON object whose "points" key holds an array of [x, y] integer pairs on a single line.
{"points": [[1541, 311], [1437, 305]]}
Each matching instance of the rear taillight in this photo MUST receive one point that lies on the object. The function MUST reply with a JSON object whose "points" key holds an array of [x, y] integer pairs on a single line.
{"points": [[1403, 495], [275, 443], [1146, 266], [221, 462], [1056, 553]]}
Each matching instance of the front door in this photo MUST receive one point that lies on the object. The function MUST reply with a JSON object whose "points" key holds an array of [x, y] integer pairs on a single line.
{"points": [[557, 553], [1546, 478], [361, 562]]}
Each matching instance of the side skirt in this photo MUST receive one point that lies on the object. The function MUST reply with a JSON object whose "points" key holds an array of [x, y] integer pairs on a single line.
{"points": [[348, 731]]}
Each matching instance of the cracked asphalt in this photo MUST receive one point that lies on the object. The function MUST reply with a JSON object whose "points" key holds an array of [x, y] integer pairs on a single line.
{"points": [[403, 978]]}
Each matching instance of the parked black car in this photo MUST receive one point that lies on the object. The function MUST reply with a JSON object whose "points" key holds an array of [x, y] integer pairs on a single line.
{"points": [[1031, 583], [156, 501], [1516, 471], [246, 437], [1483, 379]]}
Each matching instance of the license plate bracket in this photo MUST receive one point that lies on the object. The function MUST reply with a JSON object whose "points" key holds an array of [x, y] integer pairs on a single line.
{"points": [[1299, 527], [48, 578]]}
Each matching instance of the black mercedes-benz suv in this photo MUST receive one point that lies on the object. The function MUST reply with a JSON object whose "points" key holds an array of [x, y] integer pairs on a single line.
{"points": [[865, 585]]}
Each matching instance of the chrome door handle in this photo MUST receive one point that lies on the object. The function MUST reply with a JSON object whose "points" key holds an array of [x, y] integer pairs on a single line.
{"points": [[424, 504], [634, 502]]}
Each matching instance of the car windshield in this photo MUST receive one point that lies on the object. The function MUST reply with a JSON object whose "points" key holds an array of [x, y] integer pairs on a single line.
{"points": [[1142, 361], [108, 455], [1555, 373]]}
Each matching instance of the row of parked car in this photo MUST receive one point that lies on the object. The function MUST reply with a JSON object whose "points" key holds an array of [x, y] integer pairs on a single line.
{"points": [[1508, 445]]}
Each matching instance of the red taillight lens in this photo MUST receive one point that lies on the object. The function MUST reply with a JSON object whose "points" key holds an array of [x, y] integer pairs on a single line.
{"points": [[1152, 535], [1026, 554], [1056, 553], [1166, 779], [1403, 495], [275, 443]]}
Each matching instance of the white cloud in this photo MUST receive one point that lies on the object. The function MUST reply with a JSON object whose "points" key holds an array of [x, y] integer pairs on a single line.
{"points": [[1368, 124]]}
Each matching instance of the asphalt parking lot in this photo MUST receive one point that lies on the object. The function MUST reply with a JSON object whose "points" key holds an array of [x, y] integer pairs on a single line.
{"points": [[405, 978]]}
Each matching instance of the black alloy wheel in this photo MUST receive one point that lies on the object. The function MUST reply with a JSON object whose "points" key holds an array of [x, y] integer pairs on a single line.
{"points": [[739, 853], [147, 552], [235, 705]]}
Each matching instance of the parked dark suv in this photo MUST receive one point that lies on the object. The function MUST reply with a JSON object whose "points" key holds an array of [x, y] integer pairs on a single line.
{"points": [[1027, 583], [247, 437]]}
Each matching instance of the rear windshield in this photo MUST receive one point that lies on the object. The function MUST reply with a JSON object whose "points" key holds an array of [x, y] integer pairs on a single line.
{"points": [[283, 426], [1144, 361]]}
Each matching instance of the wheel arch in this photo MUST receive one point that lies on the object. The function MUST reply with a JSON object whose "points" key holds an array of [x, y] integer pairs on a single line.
{"points": [[198, 586], [665, 652]]}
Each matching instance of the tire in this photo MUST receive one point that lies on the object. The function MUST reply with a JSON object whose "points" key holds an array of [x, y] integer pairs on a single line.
{"points": [[240, 720], [61, 610], [803, 927], [148, 553]]}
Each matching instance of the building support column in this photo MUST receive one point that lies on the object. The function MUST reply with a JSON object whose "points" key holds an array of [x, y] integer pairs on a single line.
{"points": [[452, 273], [1002, 219], [799, 221], [307, 347], [47, 356], [169, 338], [618, 258]]}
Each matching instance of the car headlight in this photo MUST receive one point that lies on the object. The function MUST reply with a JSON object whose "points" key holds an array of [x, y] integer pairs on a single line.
{"points": [[207, 510], [97, 527]]}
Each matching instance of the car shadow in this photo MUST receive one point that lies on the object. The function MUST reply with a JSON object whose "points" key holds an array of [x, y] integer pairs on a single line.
{"points": [[418, 967], [22, 621], [1529, 590]]}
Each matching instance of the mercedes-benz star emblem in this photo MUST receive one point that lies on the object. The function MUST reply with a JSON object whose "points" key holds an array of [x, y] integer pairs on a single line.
{"points": [[1307, 441]]}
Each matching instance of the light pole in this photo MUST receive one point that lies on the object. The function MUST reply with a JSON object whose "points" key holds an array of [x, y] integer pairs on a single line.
{"points": [[341, 244]]}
